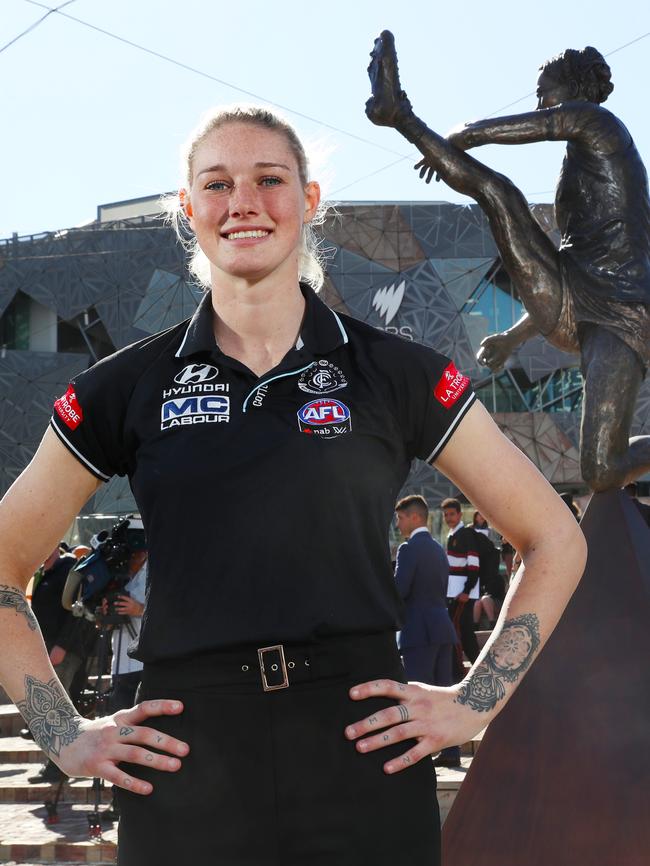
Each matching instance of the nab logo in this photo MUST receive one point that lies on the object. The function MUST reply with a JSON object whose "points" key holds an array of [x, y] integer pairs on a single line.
{"points": [[195, 373], [210, 409], [326, 418], [388, 300]]}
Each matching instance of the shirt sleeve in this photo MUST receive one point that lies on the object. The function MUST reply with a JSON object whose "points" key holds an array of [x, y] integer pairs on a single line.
{"points": [[404, 570], [89, 419], [435, 399]]}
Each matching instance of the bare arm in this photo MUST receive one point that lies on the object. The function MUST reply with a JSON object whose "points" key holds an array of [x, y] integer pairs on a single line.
{"points": [[34, 515], [504, 486]]}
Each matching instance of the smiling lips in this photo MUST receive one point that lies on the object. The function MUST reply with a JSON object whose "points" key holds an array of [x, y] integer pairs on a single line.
{"points": [[242, 235]]}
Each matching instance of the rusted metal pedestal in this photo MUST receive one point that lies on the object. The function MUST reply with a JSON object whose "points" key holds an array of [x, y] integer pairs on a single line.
{"points": [[562, 777]]}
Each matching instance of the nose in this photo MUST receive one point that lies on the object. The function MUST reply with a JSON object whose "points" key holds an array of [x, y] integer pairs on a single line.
{"points": [[243, 200]]}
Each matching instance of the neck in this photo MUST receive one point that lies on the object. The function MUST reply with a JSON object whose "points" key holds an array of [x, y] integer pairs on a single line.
{"points": [[257, 322]]}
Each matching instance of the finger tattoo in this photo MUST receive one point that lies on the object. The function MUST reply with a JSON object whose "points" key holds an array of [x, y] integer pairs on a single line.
{"points": [[159, 739], [372, 720], [404, 713], [386, 738], [402, 687], [125, 731], [148, 757], [406, 759]]}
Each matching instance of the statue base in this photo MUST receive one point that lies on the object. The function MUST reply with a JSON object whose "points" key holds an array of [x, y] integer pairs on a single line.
{"points": [[562, 776]]}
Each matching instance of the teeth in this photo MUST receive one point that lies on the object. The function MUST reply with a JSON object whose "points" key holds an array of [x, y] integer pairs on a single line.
{"points": [[258, 233]]}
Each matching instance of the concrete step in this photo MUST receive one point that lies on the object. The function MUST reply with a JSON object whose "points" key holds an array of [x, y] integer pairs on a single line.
{"points": [[26, 837], [11, 722], [15, 750], [470, 748], [449, 782], [14, 788]]}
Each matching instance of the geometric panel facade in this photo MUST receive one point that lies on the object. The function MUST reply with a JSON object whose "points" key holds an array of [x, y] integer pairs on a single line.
{"points": [[412, 269]]}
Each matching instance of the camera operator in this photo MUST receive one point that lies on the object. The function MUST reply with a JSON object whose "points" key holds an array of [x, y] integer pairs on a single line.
{"points": [[125, 671]]}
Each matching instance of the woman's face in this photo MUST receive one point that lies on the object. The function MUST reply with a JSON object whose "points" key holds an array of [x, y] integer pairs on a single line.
{"points": [[247, 205]]}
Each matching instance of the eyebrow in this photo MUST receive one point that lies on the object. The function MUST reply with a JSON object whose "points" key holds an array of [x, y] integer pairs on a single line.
{"points": [[220, 167]]}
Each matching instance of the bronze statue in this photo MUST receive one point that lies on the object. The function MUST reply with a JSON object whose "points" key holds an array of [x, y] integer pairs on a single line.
{"points": [[591, 295]]}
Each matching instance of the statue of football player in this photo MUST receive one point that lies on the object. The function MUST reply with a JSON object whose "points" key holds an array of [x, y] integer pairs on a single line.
{"points": [[589, 296]]}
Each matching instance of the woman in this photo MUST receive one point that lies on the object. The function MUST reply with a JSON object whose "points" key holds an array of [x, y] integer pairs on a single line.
{"points": [[274, 724]]}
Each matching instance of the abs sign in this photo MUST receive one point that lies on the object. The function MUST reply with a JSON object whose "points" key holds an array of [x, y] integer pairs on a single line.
{"points": [[325, 418]]}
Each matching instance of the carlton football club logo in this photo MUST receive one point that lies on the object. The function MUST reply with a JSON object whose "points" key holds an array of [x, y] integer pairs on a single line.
{"points": [[194, 374], [326, 418], [322, 378]]}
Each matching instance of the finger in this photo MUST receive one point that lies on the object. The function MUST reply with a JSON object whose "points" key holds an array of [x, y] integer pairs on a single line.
{"points": [[118, 777], [138, 755], [377, 721], [393, 735], [425, 168], [146, 709], [396, 765], [380, 688], [419, 164], [152, 738]]}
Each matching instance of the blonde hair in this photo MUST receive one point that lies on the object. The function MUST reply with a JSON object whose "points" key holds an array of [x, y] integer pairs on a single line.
{"points": [[310, 266]]}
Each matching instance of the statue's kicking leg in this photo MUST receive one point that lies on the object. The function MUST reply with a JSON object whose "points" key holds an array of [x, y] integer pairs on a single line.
{"points": [[612, 377], [527, 253]]}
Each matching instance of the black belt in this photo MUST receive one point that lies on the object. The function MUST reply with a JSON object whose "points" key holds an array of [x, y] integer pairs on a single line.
{"points": [[277, 666]]}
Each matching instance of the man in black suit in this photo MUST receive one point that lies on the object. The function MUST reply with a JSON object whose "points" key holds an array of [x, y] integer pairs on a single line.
{"points": [[426, 641]]}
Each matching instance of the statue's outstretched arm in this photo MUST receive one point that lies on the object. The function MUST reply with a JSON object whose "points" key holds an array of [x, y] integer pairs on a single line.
{"points": [[561, 123]]}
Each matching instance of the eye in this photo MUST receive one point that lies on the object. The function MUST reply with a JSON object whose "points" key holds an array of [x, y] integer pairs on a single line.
{"points": [[217, 185], [271, 181]]}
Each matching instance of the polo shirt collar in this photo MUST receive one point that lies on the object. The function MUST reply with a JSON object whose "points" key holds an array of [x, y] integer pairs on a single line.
{"points": [[458, 526], [419, 529], [322, 330]]}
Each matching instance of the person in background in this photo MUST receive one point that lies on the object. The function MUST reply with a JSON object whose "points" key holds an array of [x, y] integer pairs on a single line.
{"points": [[491, 584], [426, 641], [463, 586]]}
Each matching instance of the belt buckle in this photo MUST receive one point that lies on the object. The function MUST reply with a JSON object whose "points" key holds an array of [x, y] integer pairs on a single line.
{"points": [[283, 665]]}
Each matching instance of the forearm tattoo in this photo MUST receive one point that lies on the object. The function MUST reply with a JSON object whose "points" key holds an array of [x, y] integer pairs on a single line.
{"points": [[508, 658], [49, 714], [12, 597]]}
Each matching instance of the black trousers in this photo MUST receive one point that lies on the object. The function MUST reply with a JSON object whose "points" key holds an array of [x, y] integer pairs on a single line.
{"points": [[271, 779]]}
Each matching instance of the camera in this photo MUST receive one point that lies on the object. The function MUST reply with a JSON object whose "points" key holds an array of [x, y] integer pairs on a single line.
{"points": [[104, 573]]}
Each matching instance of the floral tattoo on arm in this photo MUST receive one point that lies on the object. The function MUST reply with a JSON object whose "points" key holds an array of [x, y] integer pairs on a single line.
{"points": [[509, 656], [49, 714], [11, 597]]}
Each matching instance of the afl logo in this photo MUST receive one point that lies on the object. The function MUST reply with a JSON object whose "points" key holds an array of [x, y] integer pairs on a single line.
{"points": [[326, 418], [193, 374]]}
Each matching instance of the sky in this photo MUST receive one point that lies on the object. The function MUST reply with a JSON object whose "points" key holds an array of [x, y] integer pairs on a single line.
{"points": [[89, 119]]}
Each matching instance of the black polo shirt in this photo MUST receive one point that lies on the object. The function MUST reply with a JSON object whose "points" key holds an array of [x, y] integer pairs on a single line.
{"points": [[266, 500]]}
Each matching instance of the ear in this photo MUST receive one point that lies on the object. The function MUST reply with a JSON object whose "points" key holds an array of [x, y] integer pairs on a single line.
{"points": [[312, 200], [186, 204], [574, 88]]}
